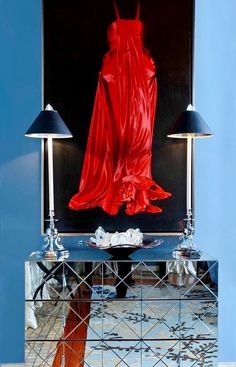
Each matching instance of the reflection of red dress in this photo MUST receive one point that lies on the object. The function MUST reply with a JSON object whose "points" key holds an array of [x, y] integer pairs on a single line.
{"points": [[117, 163]]}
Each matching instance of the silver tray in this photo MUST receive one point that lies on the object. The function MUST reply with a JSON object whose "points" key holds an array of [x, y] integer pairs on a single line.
{"points": [[148, 242]]}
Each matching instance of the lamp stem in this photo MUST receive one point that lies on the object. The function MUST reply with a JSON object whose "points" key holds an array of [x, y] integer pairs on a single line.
{"points": [[186, 247], [187, 244], [52, 248], [189, 175], [50, 178]]}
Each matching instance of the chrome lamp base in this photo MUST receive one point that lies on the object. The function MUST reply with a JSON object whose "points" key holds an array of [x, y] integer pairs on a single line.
{"points": [[187, 247], [180, 252], [53, 250]]}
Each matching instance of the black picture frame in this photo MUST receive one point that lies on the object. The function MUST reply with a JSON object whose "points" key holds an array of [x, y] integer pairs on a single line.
{"points": [[74, 43]]}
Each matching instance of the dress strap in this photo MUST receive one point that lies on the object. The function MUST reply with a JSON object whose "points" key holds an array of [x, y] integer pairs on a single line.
{"points": [[138, 10], [116, 10]]}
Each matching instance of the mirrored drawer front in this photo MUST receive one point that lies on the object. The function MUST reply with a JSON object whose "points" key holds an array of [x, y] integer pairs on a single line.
{"points": [[114, 353], [121, 313]]}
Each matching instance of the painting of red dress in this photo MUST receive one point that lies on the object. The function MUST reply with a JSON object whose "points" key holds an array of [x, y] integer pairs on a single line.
{"points": [[119, 73]]}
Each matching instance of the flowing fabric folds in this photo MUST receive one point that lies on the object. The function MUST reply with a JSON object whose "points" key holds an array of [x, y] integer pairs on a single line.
{"points": [[117, 163]]}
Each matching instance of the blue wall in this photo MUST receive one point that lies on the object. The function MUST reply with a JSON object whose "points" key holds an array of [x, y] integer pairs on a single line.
{"points": [[20, 101], [215, 81]]}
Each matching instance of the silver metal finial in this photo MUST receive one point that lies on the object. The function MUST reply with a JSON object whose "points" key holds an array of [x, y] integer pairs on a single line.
{"points": [[190, 107], [49, 108]]}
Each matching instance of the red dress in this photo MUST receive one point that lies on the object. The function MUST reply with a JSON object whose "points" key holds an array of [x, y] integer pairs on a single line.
{"points": [[117, 163]]}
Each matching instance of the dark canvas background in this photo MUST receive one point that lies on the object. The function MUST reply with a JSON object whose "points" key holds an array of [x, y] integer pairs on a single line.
{"points": [[75, 40]]}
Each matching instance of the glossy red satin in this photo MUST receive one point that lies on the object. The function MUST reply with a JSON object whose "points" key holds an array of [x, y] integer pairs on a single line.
{"points": [[117, 163]]}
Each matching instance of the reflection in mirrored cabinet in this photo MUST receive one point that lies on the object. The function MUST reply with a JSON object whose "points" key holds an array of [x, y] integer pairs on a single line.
{"points": [[87, 311]]}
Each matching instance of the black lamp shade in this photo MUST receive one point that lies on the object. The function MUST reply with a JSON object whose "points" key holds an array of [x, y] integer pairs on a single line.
{"points": [[190, 124], [48, 124]]}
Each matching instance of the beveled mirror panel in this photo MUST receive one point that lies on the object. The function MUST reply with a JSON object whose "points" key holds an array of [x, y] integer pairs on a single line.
{"points": [[122, 313]]}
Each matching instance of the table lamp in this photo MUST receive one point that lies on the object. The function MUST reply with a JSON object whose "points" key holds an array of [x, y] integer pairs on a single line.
{"points": [[189, 125], [49, 125]]}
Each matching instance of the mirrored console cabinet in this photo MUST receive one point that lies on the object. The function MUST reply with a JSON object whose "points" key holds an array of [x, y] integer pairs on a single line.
{"points": [[108, 310]]}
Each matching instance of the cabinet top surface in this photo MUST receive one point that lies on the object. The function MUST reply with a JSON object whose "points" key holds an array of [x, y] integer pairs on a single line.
{"points": [[147, 255]]}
